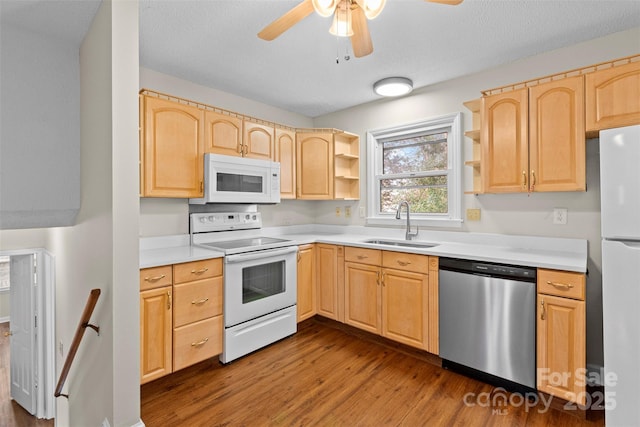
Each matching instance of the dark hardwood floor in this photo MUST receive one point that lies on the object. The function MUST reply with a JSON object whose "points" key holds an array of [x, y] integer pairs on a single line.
{"points": [[326, 376], [12, 414]]}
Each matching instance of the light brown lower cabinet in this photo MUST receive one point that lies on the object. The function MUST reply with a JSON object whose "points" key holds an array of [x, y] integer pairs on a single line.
{"points": [[156, 330], [388, 293], [180, 316], [330, 281], [561, 330], [306, 282]]}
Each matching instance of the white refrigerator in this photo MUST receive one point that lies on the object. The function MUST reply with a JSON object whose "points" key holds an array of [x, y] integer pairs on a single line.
{"points": [[620, 208]]}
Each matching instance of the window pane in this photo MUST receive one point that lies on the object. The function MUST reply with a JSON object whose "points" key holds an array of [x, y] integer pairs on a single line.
{"points": [[420, 153], [425, 194]]}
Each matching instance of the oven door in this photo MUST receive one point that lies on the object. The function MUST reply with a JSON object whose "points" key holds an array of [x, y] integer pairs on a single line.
{"points": [[258, 283]]}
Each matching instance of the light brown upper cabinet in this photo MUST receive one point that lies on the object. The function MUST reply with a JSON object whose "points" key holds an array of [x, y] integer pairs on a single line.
{"points": [[222, 134], [285, 150], [328, 166], [258, 141], [314, 153], [172, 149], [534, 139], [613, 97]]}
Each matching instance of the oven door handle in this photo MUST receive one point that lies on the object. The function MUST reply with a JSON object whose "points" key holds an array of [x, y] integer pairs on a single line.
{"points": [[268, 253]]}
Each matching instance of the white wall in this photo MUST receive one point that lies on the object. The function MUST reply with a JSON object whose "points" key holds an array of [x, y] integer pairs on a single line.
{"points": [[101, 251], [39, 130], [514, 213]]}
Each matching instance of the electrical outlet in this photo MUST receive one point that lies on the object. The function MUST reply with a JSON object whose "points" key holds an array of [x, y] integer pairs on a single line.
{"points": [[347, 211], [338, 213], [560, 216], [362, 212], [473, 214]]}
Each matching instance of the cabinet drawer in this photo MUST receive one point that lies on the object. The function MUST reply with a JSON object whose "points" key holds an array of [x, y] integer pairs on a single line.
{"points": [[406, 262], [362, 255], [196, 342], [155, 277], [197, 300], [197, 270], [561, 283]]}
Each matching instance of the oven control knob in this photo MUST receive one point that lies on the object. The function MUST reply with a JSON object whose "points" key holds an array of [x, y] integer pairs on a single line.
{"points": [[203, 220], [254, 217], [211, 218], [247, 217]]}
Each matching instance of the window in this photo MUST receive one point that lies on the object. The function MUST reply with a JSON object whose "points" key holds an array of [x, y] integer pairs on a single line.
{"points": [[419, 163]]}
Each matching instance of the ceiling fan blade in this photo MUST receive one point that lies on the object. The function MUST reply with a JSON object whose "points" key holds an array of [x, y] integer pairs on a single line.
{"points": [[361, 39], [286, 21], [451, 2]]}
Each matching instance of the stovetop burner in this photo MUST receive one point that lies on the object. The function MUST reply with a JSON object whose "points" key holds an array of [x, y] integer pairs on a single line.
{"points": [[253, 243], [206, 231]]}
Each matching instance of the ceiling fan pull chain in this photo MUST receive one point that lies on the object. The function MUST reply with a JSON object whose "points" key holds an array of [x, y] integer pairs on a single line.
{"points": [[337, 50]]}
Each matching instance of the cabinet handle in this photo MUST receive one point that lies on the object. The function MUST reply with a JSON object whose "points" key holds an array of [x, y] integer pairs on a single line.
{"points": [[403, 263], [566, 286], [155, 279], [168, 300], [198, 344], [378, 278], [533, 179], [202, 301], [543, 310], [240, 148], [383, 279], [362, 256], [202, 270], [524, 178], [245, 150]]}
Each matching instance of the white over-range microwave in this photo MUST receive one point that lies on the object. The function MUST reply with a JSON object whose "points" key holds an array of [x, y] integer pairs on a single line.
{"points": [[230, 179]]}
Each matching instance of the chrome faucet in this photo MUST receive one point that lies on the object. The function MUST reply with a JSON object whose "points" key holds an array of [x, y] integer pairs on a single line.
{"points": [[408, 235]]}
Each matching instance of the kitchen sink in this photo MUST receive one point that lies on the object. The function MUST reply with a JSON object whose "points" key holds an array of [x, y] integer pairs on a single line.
{"points": [[402, 243]]}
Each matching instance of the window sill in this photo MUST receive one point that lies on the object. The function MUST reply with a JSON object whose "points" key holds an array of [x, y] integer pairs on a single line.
{"points": [[422, 222]]}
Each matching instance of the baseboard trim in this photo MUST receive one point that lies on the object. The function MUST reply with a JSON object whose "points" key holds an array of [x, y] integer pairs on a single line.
{"points": [[4, 319]]}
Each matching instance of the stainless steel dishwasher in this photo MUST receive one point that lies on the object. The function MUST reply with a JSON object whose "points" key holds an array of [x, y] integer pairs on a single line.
{"points": [[487, 320]]}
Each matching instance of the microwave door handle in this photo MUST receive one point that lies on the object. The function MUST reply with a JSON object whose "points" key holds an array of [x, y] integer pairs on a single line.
{"points": [[232, 259]]}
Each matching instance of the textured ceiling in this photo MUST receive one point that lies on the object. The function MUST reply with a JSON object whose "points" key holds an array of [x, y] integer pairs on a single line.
{"points": [[214, 42]]}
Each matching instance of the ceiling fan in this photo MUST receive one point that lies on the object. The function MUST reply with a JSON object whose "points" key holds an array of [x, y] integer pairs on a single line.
{"points": [[349, 19]]}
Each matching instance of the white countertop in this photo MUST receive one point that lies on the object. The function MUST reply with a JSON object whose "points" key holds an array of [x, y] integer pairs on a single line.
{"points": [[530, 251]]}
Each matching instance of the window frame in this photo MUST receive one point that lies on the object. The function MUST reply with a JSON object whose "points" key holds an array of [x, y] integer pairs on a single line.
{"points": [[453, 124]]}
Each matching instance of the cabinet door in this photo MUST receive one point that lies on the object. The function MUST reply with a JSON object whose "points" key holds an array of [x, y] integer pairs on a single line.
{"points": [[362, 297], [306, 306], [172, 158], [155, 333], [258, 141], [557, 136], [505, 152], [222, 134], [405, 307], [561, 347], [327, 281], [314, 152], [286, 155], [613, 97]]}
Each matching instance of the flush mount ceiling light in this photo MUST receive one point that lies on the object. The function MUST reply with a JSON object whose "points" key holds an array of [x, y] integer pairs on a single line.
{"points": [[393, 86]]}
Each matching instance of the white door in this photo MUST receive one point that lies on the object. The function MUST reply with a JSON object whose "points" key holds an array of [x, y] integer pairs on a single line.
{"points": [[22, 343]]}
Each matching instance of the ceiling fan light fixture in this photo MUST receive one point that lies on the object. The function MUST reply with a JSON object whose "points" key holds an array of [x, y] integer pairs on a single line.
{"points": [[393, 86], [324, 8], [341, 25], [372, 8]]}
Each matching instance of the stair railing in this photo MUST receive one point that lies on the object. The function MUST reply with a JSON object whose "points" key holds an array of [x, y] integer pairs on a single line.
{"points": [[77, 338]]}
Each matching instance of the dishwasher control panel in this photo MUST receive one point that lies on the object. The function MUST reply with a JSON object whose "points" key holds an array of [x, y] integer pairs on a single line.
{"points": [[527, 274]]}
